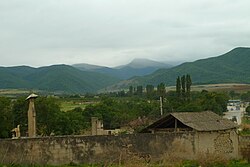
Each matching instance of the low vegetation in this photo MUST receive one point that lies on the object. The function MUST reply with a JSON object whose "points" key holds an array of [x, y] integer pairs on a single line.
{"points": [[184, 163]]}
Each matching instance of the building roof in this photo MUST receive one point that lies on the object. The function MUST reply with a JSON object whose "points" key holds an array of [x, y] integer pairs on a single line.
{"points": [[199, 121]]}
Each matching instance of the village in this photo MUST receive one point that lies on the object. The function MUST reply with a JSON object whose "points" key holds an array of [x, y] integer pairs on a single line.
{"points": [[178, 135]]}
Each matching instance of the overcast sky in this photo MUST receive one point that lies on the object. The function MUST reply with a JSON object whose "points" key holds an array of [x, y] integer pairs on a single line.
{"points": [[113, 32]]}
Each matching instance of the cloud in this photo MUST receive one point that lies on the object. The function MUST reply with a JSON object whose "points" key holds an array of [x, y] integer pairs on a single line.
{"points": [[114, 32]]}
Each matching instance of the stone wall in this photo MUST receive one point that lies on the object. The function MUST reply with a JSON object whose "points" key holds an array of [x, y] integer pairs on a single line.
{"points": [[222, 143], [244, 147], [95, 149], [122, 148]]}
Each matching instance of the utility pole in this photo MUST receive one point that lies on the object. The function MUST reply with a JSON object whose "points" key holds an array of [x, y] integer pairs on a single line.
{"points": [[161, 109]]}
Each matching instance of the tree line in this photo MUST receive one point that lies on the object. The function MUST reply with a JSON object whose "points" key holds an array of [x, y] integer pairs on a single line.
{"points": [[115, 109]]}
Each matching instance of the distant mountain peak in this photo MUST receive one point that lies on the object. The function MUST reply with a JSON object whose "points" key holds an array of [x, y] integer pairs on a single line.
{"points": [[85, 66], [142, 63], [241, 48], [231, 67]]}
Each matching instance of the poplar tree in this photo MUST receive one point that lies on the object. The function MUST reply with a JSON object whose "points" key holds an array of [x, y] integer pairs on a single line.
{"points": [[178, 86], [188, 85], [161, 90], [139, 90], [150, 90], [131, 90], [183, 85]]}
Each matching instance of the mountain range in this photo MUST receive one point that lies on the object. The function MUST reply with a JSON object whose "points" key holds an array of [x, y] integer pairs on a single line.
{"points": [[79, 78], [231, 67], [56, 78], [137, 67]]}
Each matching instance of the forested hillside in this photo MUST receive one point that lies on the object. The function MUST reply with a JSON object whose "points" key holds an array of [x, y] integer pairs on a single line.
{"points": [[56, 78], [232, 67]]}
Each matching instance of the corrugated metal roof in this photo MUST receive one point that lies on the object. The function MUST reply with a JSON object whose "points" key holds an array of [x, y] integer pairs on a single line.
{"points": [[200, 121]]}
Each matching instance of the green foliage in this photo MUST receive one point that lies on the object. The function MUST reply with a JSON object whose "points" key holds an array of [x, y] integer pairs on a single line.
{"points": [[183, 86], [178, 86], [184, 163], [50, 119], [188, 85], [231, 67], [200, 101], [246, 96], [150, 91], [20, 114], [248, 110], [234, 95], [114, 111], [117, 112], [131, 90], [5, 117], [139, 90], [232, 163], [161, 89], [57, 78]]}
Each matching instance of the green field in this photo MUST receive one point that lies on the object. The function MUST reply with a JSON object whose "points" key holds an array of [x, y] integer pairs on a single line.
{"points": [[68, 105]]}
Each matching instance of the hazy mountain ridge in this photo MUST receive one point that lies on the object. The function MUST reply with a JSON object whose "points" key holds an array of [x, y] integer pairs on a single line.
{"points": [[232, 66], [61, 78], [137, 67]]}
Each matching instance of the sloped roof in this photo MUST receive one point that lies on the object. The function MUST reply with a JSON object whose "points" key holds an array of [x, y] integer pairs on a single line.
{"points": [[199, 121]]}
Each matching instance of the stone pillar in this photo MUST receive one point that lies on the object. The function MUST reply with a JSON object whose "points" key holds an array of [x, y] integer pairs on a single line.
{"points": [[94, 122], [31, 116]]}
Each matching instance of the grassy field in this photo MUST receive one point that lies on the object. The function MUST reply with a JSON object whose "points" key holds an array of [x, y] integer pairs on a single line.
{"points": [[68, 105], [13, 92]]}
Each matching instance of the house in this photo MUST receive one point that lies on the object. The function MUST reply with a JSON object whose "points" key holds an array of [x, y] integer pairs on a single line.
{"points": [[235, 111], [207, 131]]}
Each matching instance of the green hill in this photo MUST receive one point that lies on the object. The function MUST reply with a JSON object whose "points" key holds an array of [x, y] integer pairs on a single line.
{"points": [[56, 78], [232, 67]]}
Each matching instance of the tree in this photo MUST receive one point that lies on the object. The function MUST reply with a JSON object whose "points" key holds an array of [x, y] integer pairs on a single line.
{"points": [[188, 86], [216, 102], [161, 90], [50, 119], [183, 85], [245, 96], [48, 111], [139, 90], [178, 86], [20, 114], [131, 90], [248, 110], [233, 94], [6, 119], [149, 90]]}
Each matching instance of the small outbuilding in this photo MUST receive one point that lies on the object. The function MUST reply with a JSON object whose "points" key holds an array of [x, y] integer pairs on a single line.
{"points": [[207, 131]]}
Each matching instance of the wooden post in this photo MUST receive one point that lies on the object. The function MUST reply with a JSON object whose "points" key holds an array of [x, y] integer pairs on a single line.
{"points": [[175, 124]]}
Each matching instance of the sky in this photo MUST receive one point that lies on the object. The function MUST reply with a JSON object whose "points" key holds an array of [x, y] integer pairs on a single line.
{"points": [[114, 32]]}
